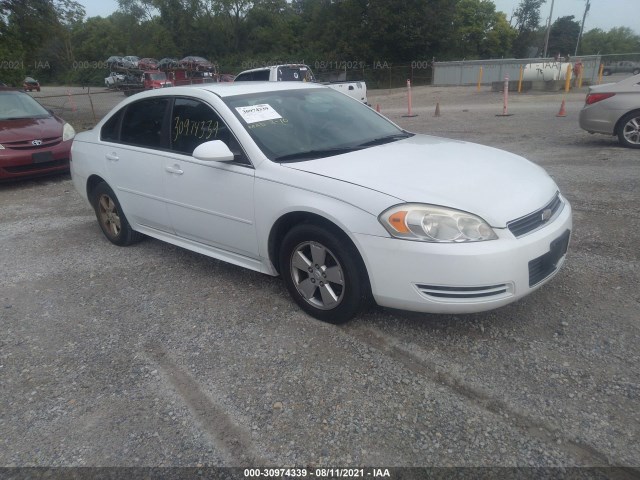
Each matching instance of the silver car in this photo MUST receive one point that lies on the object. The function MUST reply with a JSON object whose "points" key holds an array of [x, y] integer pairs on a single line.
{"points": [[623, 66], [614, 109]]}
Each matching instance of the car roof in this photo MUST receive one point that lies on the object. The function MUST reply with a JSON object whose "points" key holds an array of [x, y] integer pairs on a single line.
{"points": [[222, 90], [230, 89]]}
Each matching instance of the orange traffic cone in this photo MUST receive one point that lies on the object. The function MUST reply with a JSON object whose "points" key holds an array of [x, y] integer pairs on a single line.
{"points": [[563, 110], [437, 114]]}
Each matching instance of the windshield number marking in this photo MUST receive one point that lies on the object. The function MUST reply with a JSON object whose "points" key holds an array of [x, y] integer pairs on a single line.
{"points": [[203, 129]]}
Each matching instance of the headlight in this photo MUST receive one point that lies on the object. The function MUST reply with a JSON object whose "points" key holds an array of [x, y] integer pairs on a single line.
{"points": [[430, 223], [67, 132]]}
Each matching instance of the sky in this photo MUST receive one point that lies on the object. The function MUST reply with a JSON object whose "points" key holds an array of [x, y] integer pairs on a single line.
{"points": [[604, 14]]}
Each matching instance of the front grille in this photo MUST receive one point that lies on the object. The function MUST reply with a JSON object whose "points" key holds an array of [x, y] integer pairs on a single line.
{"points": [[34, 167], [537, 219], [465, 293], [543, 266], [27, 145]]}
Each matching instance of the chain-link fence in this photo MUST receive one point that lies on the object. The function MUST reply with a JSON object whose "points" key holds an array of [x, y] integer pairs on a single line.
{"points": [[377, 75], [84, 106], [592, 69]]}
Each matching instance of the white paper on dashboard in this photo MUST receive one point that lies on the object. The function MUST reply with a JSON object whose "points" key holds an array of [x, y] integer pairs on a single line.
{"points": [[258, 113]]}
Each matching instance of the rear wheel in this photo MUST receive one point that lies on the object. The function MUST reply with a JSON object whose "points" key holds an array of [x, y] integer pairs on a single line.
{"points": [[629, 130], [323, 273], [111, 218], [636, 71], [606, 72]]}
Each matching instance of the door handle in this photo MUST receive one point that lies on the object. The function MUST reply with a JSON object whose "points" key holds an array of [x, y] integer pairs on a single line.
{"points": [[175, 169], [112, 156]]}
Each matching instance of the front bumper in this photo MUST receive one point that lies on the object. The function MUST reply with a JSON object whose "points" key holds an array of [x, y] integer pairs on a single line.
{"points": [[19, 163], [464, 278]]}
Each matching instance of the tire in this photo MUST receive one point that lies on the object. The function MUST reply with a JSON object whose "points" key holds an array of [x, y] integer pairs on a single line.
{"points": [[606, 73], [636, 71], [629, 130], [111, 218], [323, 273]]}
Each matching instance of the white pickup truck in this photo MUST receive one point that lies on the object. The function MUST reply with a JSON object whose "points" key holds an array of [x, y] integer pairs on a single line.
{"points": [[301, 73]]}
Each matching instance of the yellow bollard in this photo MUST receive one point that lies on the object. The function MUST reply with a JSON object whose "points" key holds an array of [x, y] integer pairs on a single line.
{"points": [[580, 78], [479, 78], [520, 79], [567, 81], [600, 73]]}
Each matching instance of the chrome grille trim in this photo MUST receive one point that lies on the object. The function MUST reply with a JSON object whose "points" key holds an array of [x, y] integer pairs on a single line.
{"points": [[535, 220], [462, 294], [27, 145]]}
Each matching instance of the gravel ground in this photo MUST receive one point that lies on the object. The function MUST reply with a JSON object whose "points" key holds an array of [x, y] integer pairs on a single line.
{"points": [[157, 356]]}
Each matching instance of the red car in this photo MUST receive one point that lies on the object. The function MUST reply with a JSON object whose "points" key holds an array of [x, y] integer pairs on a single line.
{"points": [[33, 141], [148, 64], [30, 84]]}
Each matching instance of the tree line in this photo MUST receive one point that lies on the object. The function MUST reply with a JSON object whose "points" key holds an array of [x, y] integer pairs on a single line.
{"points": [[54, 41]]}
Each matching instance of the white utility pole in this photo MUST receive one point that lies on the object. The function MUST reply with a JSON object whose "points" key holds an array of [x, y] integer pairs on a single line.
{"points": [[546, 38], [586, 9]]}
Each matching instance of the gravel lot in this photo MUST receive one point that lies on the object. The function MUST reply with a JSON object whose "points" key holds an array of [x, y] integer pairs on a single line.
{"points": [[155, 356]]}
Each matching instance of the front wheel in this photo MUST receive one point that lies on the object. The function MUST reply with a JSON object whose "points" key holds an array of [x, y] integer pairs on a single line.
{"points": [[629, 130], [111, 218], [323, 273], [606, 73]]}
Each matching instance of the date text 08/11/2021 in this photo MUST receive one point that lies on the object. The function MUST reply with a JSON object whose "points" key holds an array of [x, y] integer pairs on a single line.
{"points": [[317, 472]]}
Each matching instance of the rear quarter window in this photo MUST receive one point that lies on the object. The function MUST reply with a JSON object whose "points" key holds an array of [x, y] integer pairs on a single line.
{"points": [[143, 124], [110, 131]]}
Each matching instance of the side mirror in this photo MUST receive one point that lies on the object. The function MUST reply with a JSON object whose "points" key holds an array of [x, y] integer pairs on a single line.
{"points": [[213, 151]]}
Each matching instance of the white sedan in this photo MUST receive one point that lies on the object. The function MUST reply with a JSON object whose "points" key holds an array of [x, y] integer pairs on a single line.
{"points": [[301, 181]]}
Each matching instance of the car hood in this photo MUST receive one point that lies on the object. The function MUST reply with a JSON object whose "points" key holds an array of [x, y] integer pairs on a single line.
{"points": [[494, 184], [25, 129]]}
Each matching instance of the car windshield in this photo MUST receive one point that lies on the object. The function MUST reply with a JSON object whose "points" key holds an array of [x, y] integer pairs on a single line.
{"points": [[297, 125], [158, 76], [15, 105]]}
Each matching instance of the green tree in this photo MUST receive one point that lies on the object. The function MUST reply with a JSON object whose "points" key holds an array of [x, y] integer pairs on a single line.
{"points": [[527, 24], [499, 40], [42, 29], [563, 36], [616, 40], [480, 31], [271, 27], [30, 25]]}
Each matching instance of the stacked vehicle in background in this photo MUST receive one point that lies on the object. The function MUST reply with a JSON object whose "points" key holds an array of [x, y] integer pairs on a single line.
{"points": [[132, 75]]}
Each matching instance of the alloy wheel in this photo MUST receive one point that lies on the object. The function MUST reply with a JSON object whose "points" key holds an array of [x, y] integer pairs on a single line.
{"points": [[317, 275], [631, 131], [108, 215]]}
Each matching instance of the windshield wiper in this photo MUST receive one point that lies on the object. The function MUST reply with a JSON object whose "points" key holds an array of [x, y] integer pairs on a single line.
{"points": [[311, 154], [387, 139]]}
